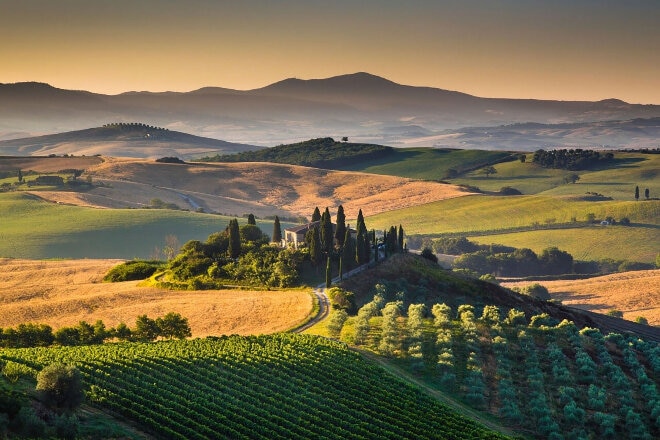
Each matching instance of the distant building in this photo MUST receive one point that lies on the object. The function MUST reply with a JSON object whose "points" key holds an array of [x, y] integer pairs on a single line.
{"points": [[295, 236]]}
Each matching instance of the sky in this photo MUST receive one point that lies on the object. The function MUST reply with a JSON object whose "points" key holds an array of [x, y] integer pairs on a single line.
{"points": [[551, 49]]}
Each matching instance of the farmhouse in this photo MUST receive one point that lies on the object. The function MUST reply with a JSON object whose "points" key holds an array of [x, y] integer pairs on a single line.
{"points": [[295, 236]]}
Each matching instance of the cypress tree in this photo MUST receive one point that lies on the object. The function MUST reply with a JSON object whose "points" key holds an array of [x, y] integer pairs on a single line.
{"points": [[347, 258], [328, 273], [251, 220], [637, 193], [316, 216], [277, 230], [234, 239], [326, 233], [315, 246], [362, 251], [392, 241], [400, 238], [340, 233]]}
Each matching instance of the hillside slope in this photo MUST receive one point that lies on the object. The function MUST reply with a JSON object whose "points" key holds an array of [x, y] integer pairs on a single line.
{"points": [[261, 188], [123, 140]]}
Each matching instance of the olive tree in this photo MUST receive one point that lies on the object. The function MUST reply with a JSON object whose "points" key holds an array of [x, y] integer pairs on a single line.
{"points": [[60, 387]]}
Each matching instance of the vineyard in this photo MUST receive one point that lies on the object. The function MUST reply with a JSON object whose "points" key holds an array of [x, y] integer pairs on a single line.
{"points": [[542, 377], [272, 387]]}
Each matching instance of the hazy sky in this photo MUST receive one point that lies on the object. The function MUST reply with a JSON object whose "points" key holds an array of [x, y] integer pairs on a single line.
{"points": [[555, 49]]}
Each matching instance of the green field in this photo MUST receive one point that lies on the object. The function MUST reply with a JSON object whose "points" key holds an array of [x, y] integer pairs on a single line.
{"points": [[617, 181], [494, 216], [426, 163], [488, 213], [281, 386], [592, 243], [35, 229]]}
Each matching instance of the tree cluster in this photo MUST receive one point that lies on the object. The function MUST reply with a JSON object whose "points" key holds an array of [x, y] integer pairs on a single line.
{"points": [[321, 152], [573, 159], [237, 255], [170, 326], [519, 263], [59, 392]]}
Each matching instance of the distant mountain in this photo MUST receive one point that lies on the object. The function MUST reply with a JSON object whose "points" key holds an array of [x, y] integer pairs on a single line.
{"points": [[363, 106], [122, 139], [633, 133]]}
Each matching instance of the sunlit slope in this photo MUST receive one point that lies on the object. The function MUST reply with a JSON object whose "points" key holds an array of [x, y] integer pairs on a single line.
{"points": [[63, 292], [33, 228], [477, 213], [587, 243], [616, 180]]}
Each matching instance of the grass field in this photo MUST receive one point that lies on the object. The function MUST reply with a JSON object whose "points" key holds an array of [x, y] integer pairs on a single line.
{"points": [[483, 213], [590, 243], [36, 229], [62, 293], [633, 293], [426, 163], [617, 181]]}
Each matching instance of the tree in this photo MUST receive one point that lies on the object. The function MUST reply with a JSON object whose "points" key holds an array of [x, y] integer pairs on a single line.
{"points": [[400, 239], [637, 193], [146, 329], [488, 170], [571, 178], [362, 245], [60, 387], [277, 231], [171, 246], [173, 325], [347, 257], [646, 193], [20, 176], [344, 139], [234, 248], [556, 262], [251, 220], [327, 238], [340, 232], [316, 216], [429, 255], [253, 234], [328, 272], [522, 158], [314, 246]]}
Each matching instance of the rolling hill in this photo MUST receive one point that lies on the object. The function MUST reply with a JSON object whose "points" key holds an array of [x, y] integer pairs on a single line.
{"points": [[123, 140], [360, 105]]}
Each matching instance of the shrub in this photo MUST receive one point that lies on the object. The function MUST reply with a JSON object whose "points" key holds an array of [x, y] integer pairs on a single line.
{"points": [[537, 291], [341, 299], [429, 255], [132, 271], [509, 191]]}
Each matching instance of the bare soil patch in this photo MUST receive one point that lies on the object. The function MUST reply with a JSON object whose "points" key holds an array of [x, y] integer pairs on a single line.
{"points": [[633, 293], [62, 293]]}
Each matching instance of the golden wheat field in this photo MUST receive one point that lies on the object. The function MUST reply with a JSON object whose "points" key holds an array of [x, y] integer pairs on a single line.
{"points": [[634, 293], [260, 188], [62, 293]]}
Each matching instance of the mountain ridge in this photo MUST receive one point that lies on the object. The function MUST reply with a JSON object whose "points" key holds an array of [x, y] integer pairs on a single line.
{"points": [[360, 105]]}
